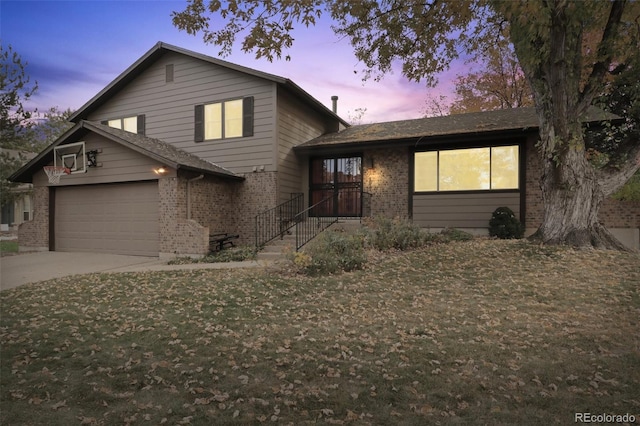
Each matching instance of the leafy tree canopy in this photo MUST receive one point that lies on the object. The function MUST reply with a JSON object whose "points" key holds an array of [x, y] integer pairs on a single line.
{"points": [[21, 130], [15, 90]]}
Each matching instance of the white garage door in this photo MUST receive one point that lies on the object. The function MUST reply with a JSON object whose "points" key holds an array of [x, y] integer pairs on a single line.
{"points": [[113, 218]]}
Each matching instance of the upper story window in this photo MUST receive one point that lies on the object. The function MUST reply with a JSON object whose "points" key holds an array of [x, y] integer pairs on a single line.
{"points": [[134, 124], [472, 169], [224, 120]]}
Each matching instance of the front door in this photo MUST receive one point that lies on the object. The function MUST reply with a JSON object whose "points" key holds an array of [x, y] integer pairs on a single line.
{"points": [[339, 178]]}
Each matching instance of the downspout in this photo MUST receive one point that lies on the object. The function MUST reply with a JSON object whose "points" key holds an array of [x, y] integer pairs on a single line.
{"points": [[189, 194]]}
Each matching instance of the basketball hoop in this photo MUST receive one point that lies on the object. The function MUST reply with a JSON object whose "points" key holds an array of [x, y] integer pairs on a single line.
{"points": [[54, 173]]}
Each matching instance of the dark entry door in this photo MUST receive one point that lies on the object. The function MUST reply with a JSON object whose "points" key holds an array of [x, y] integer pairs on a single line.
{"points": [[339, 178]]}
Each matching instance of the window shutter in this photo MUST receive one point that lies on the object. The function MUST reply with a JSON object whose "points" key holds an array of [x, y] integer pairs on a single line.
{"points": [[199, 123], [141, 124], [247, 116]]}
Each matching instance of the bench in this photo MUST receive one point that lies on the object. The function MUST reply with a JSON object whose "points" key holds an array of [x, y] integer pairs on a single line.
{"points": [[218, 242]]}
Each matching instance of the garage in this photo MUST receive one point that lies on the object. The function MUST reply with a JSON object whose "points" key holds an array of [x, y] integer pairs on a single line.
{"points": [[117, 218]]}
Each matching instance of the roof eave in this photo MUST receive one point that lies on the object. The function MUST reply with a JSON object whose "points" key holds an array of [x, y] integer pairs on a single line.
{"points": [[127, 75], [157, 157], [26, 172], [21, 174], [237, 178], [413, 140]]}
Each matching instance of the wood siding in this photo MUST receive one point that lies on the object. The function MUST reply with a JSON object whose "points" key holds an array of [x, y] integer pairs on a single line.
{"points": [[462, 210], [169, 109], [296, 124], [119, 164]]}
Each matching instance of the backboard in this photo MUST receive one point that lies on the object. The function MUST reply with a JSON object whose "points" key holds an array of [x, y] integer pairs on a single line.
{"points": [[72, 156]]}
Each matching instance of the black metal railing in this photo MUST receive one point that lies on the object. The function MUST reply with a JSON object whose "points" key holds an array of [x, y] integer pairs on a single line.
{"points": [[276, 221], [310, 222]]}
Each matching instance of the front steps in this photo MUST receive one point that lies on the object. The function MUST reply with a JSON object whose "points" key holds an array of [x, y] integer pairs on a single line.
{"points": [[277, 248]]}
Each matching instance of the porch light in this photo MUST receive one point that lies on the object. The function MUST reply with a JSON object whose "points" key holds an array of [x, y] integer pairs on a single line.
{"points": [[368, 163], [160, 170]]}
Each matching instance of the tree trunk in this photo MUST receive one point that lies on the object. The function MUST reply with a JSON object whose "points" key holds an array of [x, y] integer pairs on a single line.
{"points": [[572, 189], [572, 196]]}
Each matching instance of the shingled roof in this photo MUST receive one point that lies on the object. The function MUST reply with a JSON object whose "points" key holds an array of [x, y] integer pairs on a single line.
{"points": [[439, 128], [154, 148]]}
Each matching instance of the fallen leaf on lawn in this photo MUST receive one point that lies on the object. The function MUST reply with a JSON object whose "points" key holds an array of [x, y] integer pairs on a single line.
{"points": [[59, 405]]}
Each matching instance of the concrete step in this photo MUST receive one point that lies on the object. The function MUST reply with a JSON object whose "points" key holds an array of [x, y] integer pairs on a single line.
{"points": [[275, 248], [262, 256]]}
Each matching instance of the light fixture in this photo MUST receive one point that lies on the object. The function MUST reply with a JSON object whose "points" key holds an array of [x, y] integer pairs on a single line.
{"points": [[369, 162], [160, 170]]}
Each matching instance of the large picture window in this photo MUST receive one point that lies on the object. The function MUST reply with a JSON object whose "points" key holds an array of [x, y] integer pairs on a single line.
{"points": [[471, 169]]}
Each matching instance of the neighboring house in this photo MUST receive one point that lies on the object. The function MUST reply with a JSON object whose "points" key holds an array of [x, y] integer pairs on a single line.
{"points": [[21, 210], [182, 145]]}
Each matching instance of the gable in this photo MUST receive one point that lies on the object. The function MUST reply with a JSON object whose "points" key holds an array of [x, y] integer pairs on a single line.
{"points": [[130, 156], [159, 51]]}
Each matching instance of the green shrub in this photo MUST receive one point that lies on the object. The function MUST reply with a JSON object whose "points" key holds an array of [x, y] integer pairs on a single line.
{"points": [[504, 224], [631, 190], [452, 234], [234, 254], [331, 252], [386, 234]]}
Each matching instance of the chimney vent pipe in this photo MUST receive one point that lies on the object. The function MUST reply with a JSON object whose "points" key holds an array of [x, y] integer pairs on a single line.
{"points": [[334, 100]]}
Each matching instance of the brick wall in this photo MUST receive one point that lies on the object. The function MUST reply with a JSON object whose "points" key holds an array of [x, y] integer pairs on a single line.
{"points": [[211, 203], [620, 214], [388, 182], [258, 192], [217, 206], [178, 235], [34, 234], [534, 208]]}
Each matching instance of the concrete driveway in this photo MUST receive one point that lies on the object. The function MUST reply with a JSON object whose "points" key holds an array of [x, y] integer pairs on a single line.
{"points": [[33, 267], [27, 268]]}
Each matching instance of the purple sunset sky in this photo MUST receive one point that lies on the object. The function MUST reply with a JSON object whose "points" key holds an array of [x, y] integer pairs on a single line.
{"points": [[75, 48]]}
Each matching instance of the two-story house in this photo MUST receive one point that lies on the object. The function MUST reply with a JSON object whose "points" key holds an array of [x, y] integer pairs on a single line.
{"points": [[182, 145]]}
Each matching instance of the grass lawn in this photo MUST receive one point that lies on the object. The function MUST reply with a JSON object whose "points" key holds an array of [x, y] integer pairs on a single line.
{"points": [[8, 247], [479, 332]]}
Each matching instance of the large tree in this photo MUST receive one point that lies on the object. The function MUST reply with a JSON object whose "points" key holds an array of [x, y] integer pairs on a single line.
{"points": [[552, 40], [22, 130], [499, 84], [15, 119], [494, 80], [15, 89]]}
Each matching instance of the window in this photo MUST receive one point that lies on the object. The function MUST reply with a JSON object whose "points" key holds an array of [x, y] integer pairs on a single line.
{"points": [[26, 208], [472, 169], [224, 120], [133, 124]]}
